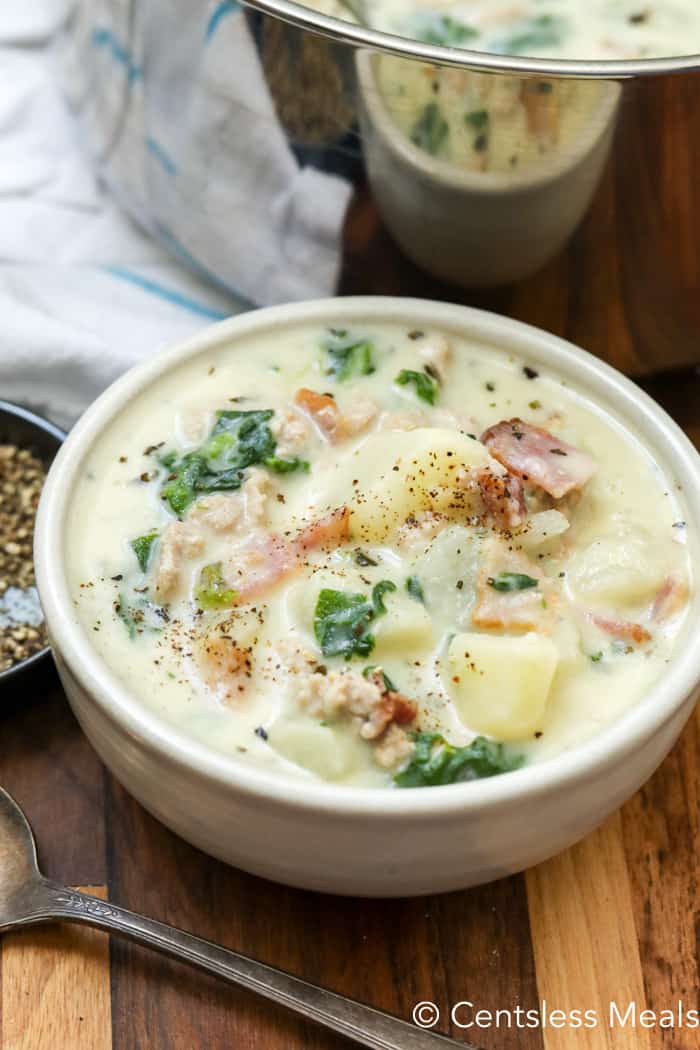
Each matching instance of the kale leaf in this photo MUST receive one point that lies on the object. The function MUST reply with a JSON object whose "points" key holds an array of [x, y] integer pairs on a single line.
{"points": [[378, 592], [347, 354], [427, 388], [430, 129], [341, 624], [139, 614], [441, 29], [478, 119], [286, 466], [238, 440], [415, 589], [435, 762], [367, 672], [541, 31], [142, 547], [342, 620], [511, 581], [211, 591]]}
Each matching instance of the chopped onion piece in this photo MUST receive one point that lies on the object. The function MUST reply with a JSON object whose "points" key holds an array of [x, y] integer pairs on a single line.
{"points": [[542, 527]]}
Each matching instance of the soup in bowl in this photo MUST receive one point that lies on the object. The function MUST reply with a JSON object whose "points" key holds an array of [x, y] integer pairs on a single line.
{"points": [[375, 596]]}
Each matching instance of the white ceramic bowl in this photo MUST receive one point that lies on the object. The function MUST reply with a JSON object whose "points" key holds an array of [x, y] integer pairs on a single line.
{"points": [[369, 841]]}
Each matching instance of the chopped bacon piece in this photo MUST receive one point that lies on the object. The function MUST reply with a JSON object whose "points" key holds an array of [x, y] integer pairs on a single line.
{"points": [[391, 707], [621, 628], [539, 457], [541, 101], [333, 424], [516, 610], [671, 596], [504, 497], [403, 710], [330, 531], [324, 411], [260, 564]]}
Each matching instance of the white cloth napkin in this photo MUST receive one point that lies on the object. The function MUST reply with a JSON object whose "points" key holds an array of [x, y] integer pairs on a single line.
{"points": [[84, 292], [179, 117]]}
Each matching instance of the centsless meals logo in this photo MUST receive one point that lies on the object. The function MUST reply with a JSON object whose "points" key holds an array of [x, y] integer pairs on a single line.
{"points": [[468, 1015]]}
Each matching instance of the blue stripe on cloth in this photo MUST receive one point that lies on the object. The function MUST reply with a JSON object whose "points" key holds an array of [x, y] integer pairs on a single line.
{"points": [[170, 295], [226, 7], [179, 250], [105, 38], [161, 155]]}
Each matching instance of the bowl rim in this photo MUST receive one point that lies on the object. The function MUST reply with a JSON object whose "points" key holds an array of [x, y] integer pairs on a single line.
{"points": [[34, 420], [633, 409], [359, 36]]}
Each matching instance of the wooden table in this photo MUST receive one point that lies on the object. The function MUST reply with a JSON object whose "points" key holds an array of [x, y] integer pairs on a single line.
{"points": [[615, 918]]}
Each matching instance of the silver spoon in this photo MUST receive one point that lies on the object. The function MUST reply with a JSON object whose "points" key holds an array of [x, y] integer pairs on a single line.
{"points": [[27, 899]]}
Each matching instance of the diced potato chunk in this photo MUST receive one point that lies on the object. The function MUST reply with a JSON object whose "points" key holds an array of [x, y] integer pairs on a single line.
{"points": [[404, 628], [404, 473], [329, 752], [500, 684], [447, 572], [619, 569], [542, 528]]}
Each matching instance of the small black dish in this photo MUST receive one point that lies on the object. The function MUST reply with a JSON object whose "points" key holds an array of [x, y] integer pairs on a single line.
{"points": [[19, 426]]}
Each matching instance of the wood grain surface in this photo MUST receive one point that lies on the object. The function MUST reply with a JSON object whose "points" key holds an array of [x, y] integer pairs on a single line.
{"points": [[615, 918]]}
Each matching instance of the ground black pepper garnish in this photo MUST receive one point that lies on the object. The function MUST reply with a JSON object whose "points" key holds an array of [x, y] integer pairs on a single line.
{"points": [[22, 631]]}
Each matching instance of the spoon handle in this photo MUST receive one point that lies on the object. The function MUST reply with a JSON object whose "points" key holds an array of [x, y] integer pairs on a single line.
{"points": [[363, 1024]]}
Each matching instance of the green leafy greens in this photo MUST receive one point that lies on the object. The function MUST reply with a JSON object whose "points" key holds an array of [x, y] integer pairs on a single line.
{"points": [[347, 354], [511, 581], [139, 614], [211, 591], [430, 130], [238, 440], [478, 119], [541, 31], [378, 592], [441, 29], [286, 466], [435, 762], [142, 547], [372, 669], [415, 589], [342, 620], [427, 387]]}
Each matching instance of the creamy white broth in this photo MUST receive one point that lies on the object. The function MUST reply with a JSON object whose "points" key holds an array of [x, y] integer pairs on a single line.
{"points": [[612, 565], [498, 123], [599, 29], [565, 29], [480, 123]]}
